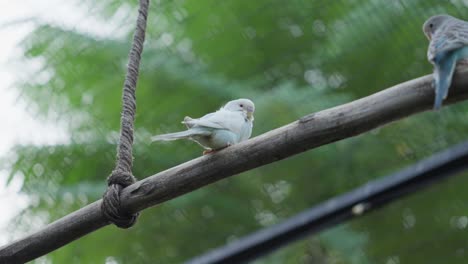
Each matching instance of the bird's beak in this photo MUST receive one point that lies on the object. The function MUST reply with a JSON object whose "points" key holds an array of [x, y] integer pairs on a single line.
{"points": [[250, 115], [428, 35]]}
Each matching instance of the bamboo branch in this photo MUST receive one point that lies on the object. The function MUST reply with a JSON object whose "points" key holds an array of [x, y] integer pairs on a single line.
{"points": [[309, 132]]}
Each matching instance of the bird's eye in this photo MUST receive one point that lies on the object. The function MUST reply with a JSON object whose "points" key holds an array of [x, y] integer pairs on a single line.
{"points": [[431, 25], [241, 105]]}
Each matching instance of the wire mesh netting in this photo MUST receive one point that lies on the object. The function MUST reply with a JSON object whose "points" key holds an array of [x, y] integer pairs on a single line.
{"points": [[291, 58]]}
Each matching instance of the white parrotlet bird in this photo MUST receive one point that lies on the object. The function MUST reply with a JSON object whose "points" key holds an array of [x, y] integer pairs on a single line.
{"points": [[228, 126], [448, 38]]}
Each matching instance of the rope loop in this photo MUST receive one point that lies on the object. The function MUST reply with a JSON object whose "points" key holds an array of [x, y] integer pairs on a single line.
{"points": [[111, 206]]}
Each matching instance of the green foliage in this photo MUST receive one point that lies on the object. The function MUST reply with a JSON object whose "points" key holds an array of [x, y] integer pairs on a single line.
{"points": [[291, 59]]}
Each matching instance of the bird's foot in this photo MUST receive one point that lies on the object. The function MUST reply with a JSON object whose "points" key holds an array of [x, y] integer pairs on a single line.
{"points": [[208, 151]]}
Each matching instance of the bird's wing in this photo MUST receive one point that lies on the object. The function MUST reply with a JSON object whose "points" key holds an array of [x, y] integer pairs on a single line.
{"points": [[202, 121], [205, 121], [450, 37], [230, 120], [188, 122], [221, 119]]}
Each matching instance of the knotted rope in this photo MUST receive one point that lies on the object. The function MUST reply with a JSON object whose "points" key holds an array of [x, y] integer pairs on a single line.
{"points": [[121, 176]]}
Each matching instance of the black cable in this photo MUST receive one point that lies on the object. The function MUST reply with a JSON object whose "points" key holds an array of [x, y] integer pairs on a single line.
{"points": [[361, 200]]}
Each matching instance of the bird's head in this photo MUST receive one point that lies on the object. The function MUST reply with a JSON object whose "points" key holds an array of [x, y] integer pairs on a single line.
{"points": [[434, 23], [243, 105]]}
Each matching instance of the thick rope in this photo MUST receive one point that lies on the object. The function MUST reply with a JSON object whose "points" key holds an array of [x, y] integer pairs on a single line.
{"points": [[122, 176]]}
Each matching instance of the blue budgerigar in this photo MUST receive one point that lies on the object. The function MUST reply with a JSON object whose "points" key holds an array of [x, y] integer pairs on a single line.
{"points": [[229, 125], [448, 38]]}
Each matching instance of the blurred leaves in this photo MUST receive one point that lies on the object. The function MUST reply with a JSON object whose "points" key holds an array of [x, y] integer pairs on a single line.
{"points": [[290, 59]]}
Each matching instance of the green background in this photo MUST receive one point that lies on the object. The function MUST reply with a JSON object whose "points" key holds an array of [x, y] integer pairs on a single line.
{"points": [[291, 58]]}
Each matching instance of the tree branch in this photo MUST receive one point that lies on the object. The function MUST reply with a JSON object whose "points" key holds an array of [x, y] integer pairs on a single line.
{"points": [[309, 132]]}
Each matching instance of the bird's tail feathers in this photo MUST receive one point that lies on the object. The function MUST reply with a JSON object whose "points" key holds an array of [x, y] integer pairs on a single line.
{"points": [[172, 136], [180, 135], [443, 79], [438, 95]]}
